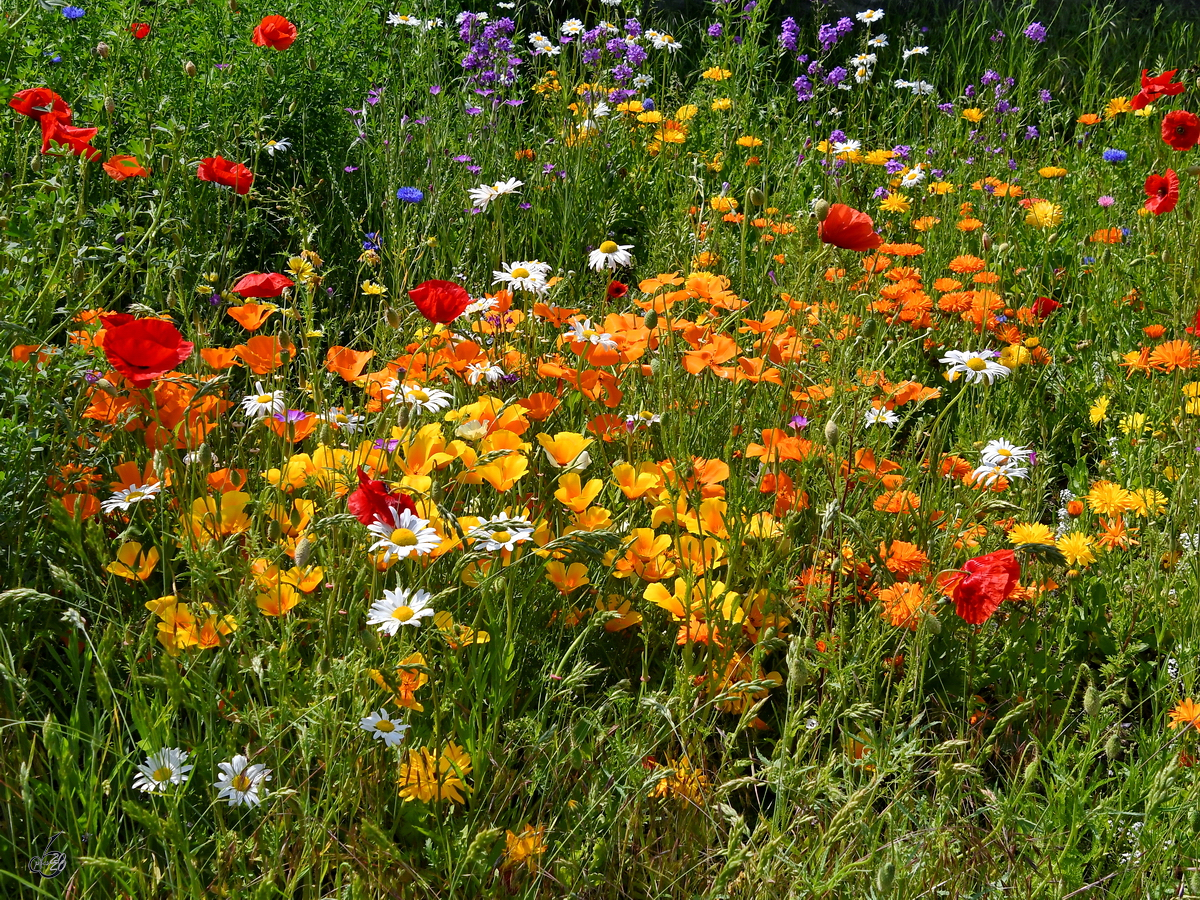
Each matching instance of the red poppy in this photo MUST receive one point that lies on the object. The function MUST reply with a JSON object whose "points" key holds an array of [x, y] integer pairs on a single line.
{"points": [[1162, 192], [616, 290], [1153, 88], [373, 502], [140, 30], [440, 301], [849, 229], [276, 32], [121, 167], [221, 171], [260, 286], [987, 582], [36, 102], [57, 129], [1194, 328], [1043, 306], [1181, 129], [143, 349]]}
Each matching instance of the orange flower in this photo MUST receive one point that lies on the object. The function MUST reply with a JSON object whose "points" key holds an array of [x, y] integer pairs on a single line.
{"points": [[966, 264], [251, 316], [897, 502], [902, 604], [1088, 119], [118, 168], [132, 563], [263, 353], [1186, 712], [220, 358], [567, 578], [346, 362], [902, 558], [1174, 355], [575, 496]]}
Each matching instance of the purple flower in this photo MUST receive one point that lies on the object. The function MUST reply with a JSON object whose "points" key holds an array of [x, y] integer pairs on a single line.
{"points": [[1106, 201], [715, 30], [882, 193], [1031, 133], [462, 158], [435, 89], [798, 422], [991, 76], [350, 169], [72, 12], [291, 415], [790, 35], [998, 35], [633, 28], [804, 88], [1045, 96], [1036, 33], [388, 444]]}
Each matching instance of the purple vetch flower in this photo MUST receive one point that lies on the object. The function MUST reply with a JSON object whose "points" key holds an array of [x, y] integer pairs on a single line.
{"points": [[1045, 96]]}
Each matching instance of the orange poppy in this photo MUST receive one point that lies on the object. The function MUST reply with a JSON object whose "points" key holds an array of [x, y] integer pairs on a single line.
{"points": [[346, 362], [251, 316]]}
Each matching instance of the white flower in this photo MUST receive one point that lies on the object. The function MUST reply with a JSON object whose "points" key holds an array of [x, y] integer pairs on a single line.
{"points": [[407, 535], [241, 783], [912, 178], [846, 146], [880, 40], [471, 430], [461, 17], [862, 74], [477, 372], [483, 304], [864, 59], [399, 607], [664, 42], [870, 15], [343, 421], [162, 769], [543, 45], [916, 51], [384, 728], [135, 493], [601, 110], [643, 81], [880, 416], [401, 19], [572, 27], [524, 275], [975, 366], [923, 87], [263, 403], [902, 84], [486, 193], [584, 333], [644, 419], [1001, 452], [611, 2], [503, 534], [283, 145], [989, 475], [425, 399], [609, 255]]}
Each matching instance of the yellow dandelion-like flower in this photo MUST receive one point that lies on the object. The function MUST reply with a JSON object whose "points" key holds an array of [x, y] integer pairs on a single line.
{"points": [[896, 203], [1099, 411], [1052, 171], [722, 104], [1116, 106], [370, 287], [1030, 533], [1044, 214], [1077, 548], [973, 115], [1109, 499], [1186, 712], [1134, 423], [716, 73]]}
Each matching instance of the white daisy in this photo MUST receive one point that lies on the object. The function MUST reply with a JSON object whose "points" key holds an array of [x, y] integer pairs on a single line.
{"points": [[283, 145], [524, 275], [912, 178], [584, 333], [923, 87], [870, 15], [609, 255], [880, 40], [482, 304], [162, 769], [135, 493], [503, 534], [1001, 452], [384, 728], [425, 399], [974, 366], [262, 403], [344, 421], [486, 193], [664, 42], [864, 59], [902, 84], [399, 607], [406, 535], [489, 371], [641, 82], [644, 419], [846, 146], [916, 51], [572, 27], [241, 783], [880, 416], [989, 475], [862, 74]]}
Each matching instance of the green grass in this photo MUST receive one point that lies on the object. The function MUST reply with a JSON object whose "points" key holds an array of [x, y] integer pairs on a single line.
{"points": [[811, 748]]}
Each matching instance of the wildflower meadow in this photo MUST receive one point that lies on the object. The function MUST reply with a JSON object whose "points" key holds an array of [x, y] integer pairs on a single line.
{"points": [[599, 450]]}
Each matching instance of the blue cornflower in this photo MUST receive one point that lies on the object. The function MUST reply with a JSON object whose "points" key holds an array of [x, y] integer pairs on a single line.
{"points": [[1115, 156], [410, 195], [73, 12]]}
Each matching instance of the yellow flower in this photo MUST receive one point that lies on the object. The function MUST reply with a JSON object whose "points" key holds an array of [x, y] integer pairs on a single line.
{"points": [[723, 204], [653, 117], [526, 847], [722, 104], [686, 112], [748, 141], [878, 157], [1144, 112], [1134, 423], [1052, 171], [974, 114], [1077, 548], [716, 73], [132, 563], [426, 777], [1027, 533], [1148, 502], [1044, 214], [1099, 411], [1116, 106], [1109, 499], [1186, 712], [370, 287], [1015, 355], [895, 203]]}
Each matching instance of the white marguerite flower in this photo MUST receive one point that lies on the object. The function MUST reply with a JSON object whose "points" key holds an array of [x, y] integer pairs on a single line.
{"points": [[880, 416], [503, 534], [1001, 452], [525, 275], [241, 783], [135, 493], [406, 535], [383, 728], [869, 15], [161, 770], [610, 255], [426, 399], [262, 403], [484, 194], [974, 365], [399, 607]]}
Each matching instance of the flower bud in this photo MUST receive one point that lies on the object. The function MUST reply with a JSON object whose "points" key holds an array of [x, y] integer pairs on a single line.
{"points": [[831, 433], [189, 69], [755, 197], [1091, 701], [821, 209], [1112, 747], [304, 549], [885, 878], [393, 317], [986, 241], [102, 50], [1194, 169], [651, 320], [270, 70], [233, 7], [110, 105], [36, 164], [312, 63]]}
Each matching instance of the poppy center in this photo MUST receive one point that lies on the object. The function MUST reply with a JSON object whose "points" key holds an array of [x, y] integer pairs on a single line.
{"points": [[404, 537], [402, 613], [609, 247], [501, 537], [240, 783], [385, 725], [520, 272], [976, 364], [161, 774]]}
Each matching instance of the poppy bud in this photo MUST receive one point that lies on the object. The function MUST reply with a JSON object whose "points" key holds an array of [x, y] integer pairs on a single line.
{"points": [[304, 548], [885, 878], [651, 320], [102, 50], [755, 197], [1112, 747], [270, 70], [821, 209], [312, 64], [831, 433], [110, 105], [1194, 169], [1091, 701], [292, 106], [933, 624], [233, 7], [1004, 248], [986, 241], [402, 417], [189, 68], [36, 164], [145, 73], [393, 317], [1027, 777]]}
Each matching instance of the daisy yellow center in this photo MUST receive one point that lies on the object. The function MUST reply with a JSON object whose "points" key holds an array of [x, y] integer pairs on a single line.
{"points": [[520, 272], [402, 613], [501, 537], [341, 418], [418, 394], [240, 783], [385, 725], [609, 247], [161, 774], [264, 398], [976, 364], [404, 537], [136, 495]]}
